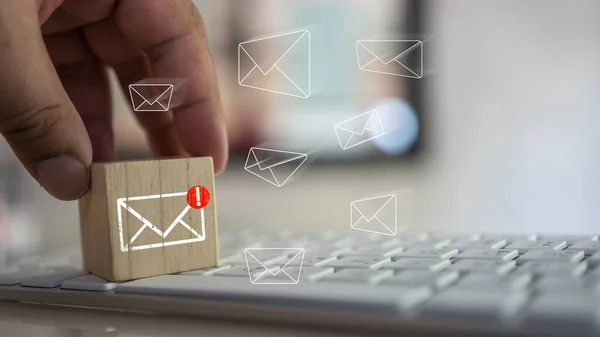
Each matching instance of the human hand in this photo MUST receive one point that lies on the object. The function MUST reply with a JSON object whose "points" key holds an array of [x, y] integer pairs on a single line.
{"points": [[55, 106]]}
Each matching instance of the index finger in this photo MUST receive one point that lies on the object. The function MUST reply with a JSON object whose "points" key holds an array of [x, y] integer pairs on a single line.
{"points": [[171, 33]]}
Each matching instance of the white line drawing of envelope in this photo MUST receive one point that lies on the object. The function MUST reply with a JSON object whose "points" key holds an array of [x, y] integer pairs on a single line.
{"points": [[273, 71], [142, 99], [277, 274], [359, 129], [147, 225], [264, 163], [370, 220], [387, 60]]}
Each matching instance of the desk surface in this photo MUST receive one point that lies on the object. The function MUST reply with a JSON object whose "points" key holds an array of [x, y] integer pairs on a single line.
{"points": [[36, 320]]}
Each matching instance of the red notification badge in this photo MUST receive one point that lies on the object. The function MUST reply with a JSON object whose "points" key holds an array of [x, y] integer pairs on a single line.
{"points": [[198, 197]]}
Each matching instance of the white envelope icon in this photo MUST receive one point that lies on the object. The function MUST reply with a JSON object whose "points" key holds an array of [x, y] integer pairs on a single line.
{"points": [[274, 166], [359, 129], [393, 57], [150, 97], [375, 215], [285, 272], [127, 243], [278, 64]]}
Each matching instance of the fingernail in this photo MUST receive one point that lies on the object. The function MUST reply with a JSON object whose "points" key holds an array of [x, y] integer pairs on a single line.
{"points": [[64, 177]]}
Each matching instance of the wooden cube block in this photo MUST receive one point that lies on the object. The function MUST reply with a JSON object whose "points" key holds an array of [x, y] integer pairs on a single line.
{"points": [[136, 220]]}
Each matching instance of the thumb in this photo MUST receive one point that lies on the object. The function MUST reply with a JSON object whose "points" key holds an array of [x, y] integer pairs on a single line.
{"points": [[36, 116]]}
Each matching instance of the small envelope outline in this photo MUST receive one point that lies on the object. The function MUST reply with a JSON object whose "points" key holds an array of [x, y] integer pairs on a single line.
{"points": [[346, 127], [373, 218], [151, 104], [275, 270], [411, 71], [242, 51], [125, 247], [252, 161]]}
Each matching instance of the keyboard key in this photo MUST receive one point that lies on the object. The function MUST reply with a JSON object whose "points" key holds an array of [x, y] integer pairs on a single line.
{"points": [[266, 259], [484, 266], [589, 247], [556, 268], [238, 271], [51, 279], [464, 305], [306, 273], [570, 239], [16, 277], [480, 244], [441, 243], [390, 242], [355, 275], [327, 251], [419, 277], [88, 282], [207, 271], [435, 253], [323, 296], [559, 314], [567, 255], [314, 273], [543, 245], [430, 263], [373, 262], [510, 238], [492, 281], [366, 239], [228, 256], [376, 251], [313, 260], [492, 254]]}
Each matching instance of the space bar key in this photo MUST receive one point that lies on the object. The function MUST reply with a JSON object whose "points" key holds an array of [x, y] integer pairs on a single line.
{"points": [[392, 300]]}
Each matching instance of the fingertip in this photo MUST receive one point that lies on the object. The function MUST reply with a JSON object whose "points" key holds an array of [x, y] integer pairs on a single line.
{"points": [[202, 133], [64, 177], [220, 151], [220, 162]]}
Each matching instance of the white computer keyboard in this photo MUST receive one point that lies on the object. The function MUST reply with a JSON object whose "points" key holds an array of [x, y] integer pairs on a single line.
{"points": [[546, 285]]}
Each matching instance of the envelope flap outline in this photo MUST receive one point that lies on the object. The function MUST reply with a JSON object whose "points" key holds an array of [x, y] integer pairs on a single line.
{"points": [[414, 44], [136, 214], [147, 223], [278, 157], [274, 64], [356, 123], [278, 269], [300, 251], [121, 203], [247, 251], [381, 202], [167, 88]]}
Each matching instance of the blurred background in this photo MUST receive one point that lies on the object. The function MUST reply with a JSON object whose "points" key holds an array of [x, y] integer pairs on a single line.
{"points": [[500, 134]]}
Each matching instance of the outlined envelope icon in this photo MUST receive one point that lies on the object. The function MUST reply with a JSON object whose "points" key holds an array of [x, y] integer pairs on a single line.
{"points": [[151, 97], [392, 57], [274, 166], [375, 215], [128, 244], [278, 64], [359, 129], [286, 272]]}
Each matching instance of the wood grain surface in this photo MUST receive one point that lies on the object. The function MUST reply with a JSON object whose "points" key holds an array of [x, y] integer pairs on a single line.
{"points": [[124, 192]]}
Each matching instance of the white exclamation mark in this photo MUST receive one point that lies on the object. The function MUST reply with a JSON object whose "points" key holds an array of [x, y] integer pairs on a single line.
{"points": [[198, 203]]}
